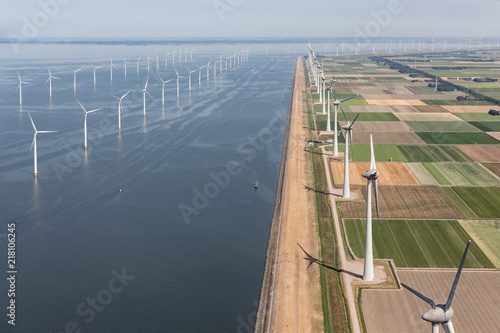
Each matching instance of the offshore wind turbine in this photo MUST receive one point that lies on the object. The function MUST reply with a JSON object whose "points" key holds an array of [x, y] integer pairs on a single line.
{"points": [[111, 69], [50, 82], [144, 92], [178, 77], [20, 87], [85, 121], [199, 74], [190, 71], [173, 57], [33, 144], [138, 59], [166, 60], [125, 66], [120, 107], [441, 313], [163, 90], [74, 77], [348, 137], [148, 61], [95, 68], [371, 177], [157, 63]]}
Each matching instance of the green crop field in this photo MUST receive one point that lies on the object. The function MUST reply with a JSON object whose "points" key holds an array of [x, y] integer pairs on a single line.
{"points": [[488, 234], [369, 116], [442, 126], [382, 153], [424, 90], [423, 175], [417, 243], [453, 102], [433, 153], [476, 174], [483, 201], [458, 138], [487, 126], [452, 174], [441, 179], [477, 117]]}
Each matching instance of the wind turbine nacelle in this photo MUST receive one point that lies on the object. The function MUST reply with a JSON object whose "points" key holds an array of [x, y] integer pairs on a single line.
{"points": [[438, 315], [371, 174]]}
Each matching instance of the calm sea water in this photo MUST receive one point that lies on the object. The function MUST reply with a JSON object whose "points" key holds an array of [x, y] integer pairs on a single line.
{"points": [[101, 242]]}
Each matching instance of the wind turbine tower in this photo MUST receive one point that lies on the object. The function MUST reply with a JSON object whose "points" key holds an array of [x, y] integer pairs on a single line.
{"points": [[371, 177]]}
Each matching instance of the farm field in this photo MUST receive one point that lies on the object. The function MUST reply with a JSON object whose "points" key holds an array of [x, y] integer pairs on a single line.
{"points": [[430, 108], [493, 167], [423, 175], [380, 126], [416, 243], [461, 138], [452, 174], [487, 126], [367, 116], [387, 138], [427, 116], [411, 202], [487, 236], [430, 153], [483, 201], [443, 126], [482, 153], [390, 173], [476, 301], [467, 108], [382, 153], [395, 102], [478, 117], [453, 102]]}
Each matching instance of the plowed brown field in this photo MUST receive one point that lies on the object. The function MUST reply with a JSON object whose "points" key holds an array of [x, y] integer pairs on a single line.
{"points": [[476, 302]]}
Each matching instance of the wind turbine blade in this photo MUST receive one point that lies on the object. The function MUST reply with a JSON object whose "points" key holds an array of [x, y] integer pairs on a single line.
{"points": [[81, 105], [114, 96], [352, 145], [32, 142], [448, 327], [341, 109], [375, 192], [342, 101], [430, 301], [94, 110], [46, 131], [125, 94], [372, 166], [354, 120], [457, 277], [147, 81], [149, 94], [47, 80], [32, 123]]}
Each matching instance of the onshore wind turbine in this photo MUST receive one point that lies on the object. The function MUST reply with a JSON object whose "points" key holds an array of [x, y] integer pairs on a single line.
{"points": [[336, 104], [371, 176], [85, 121], [74, 77], [50, 82], [120, 107], [144, 92], [163, 90], [441, 313], [348, 137], [20, 87], [33, 144]]}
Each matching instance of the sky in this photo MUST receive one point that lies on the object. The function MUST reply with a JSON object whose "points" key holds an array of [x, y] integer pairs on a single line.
{"points": [[248, 18]]}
